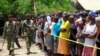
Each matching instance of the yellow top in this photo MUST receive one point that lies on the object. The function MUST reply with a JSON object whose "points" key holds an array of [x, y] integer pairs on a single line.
{"points": [[65, 25]]}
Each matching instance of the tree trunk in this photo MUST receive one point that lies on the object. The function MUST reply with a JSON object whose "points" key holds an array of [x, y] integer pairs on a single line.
{"points": [[33, 7]]}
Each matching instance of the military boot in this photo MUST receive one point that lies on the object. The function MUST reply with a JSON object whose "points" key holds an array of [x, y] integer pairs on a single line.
{"points": [[28, 51]]}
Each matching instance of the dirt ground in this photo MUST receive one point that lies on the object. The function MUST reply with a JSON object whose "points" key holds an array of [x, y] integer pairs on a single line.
{"points": [[22, 51]]}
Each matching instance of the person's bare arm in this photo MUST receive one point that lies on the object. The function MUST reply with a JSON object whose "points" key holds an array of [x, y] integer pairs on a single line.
{"points": [[93, 34], [62, 30]]}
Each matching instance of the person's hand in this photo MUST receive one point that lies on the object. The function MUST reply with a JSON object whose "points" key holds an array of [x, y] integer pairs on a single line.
{"points": [[90, 36], [84, 35], [77, 36], [62, 30], [30, 28]]}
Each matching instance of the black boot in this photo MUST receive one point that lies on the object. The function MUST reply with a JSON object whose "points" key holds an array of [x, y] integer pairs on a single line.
{"points": [[28, 51], [12, 53], [40, 46], [9, 52]]}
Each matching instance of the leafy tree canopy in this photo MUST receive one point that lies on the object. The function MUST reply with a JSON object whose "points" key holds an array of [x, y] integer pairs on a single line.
{"points": [[25, 6]]}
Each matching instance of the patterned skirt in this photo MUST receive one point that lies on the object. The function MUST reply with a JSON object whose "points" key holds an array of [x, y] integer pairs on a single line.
{"points": [[87, 51]]}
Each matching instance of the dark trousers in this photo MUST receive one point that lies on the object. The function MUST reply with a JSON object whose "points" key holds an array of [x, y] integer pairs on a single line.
{"points": [[20, 31], [73, 48], [42, 36], [98, 51], [17, 43], [33, 37]]}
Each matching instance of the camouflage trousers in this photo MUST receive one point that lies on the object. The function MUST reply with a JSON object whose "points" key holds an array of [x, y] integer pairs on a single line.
{"points": [[10, 43], [28, 42]]}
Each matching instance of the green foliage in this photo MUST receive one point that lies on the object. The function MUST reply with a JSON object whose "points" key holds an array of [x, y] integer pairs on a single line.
{"points": [[25, 6], [13, 6], [4, 6], [51, 5]]}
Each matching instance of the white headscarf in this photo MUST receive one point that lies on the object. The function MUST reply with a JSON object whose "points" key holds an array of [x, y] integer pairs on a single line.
{"points": [[48, 19]]}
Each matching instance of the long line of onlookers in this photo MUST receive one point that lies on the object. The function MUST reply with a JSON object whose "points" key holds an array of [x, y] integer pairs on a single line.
{"points": [[79, 26]]}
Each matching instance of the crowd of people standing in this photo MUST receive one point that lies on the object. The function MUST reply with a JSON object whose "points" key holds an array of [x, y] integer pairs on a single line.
{"points": [[51, 33]]}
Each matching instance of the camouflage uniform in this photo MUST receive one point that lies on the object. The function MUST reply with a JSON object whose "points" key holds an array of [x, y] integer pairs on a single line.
{"points": [[28, 26], [9, 30]]}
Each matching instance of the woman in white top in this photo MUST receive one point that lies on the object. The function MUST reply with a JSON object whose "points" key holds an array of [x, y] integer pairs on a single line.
{"points": [[89, 33], [38, 39], [49, 38]]}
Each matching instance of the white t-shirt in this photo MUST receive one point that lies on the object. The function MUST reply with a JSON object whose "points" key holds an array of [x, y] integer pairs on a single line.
{"points": [[46, 26], [51, 27], [90, 29]]}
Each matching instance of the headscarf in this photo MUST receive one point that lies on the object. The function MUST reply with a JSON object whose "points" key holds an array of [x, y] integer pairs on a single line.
{"points": [[48, 19], [92, 13]]}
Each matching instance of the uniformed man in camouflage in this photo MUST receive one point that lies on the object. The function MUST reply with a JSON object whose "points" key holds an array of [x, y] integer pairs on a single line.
{"points": [[28, 28], [9, 30]]}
